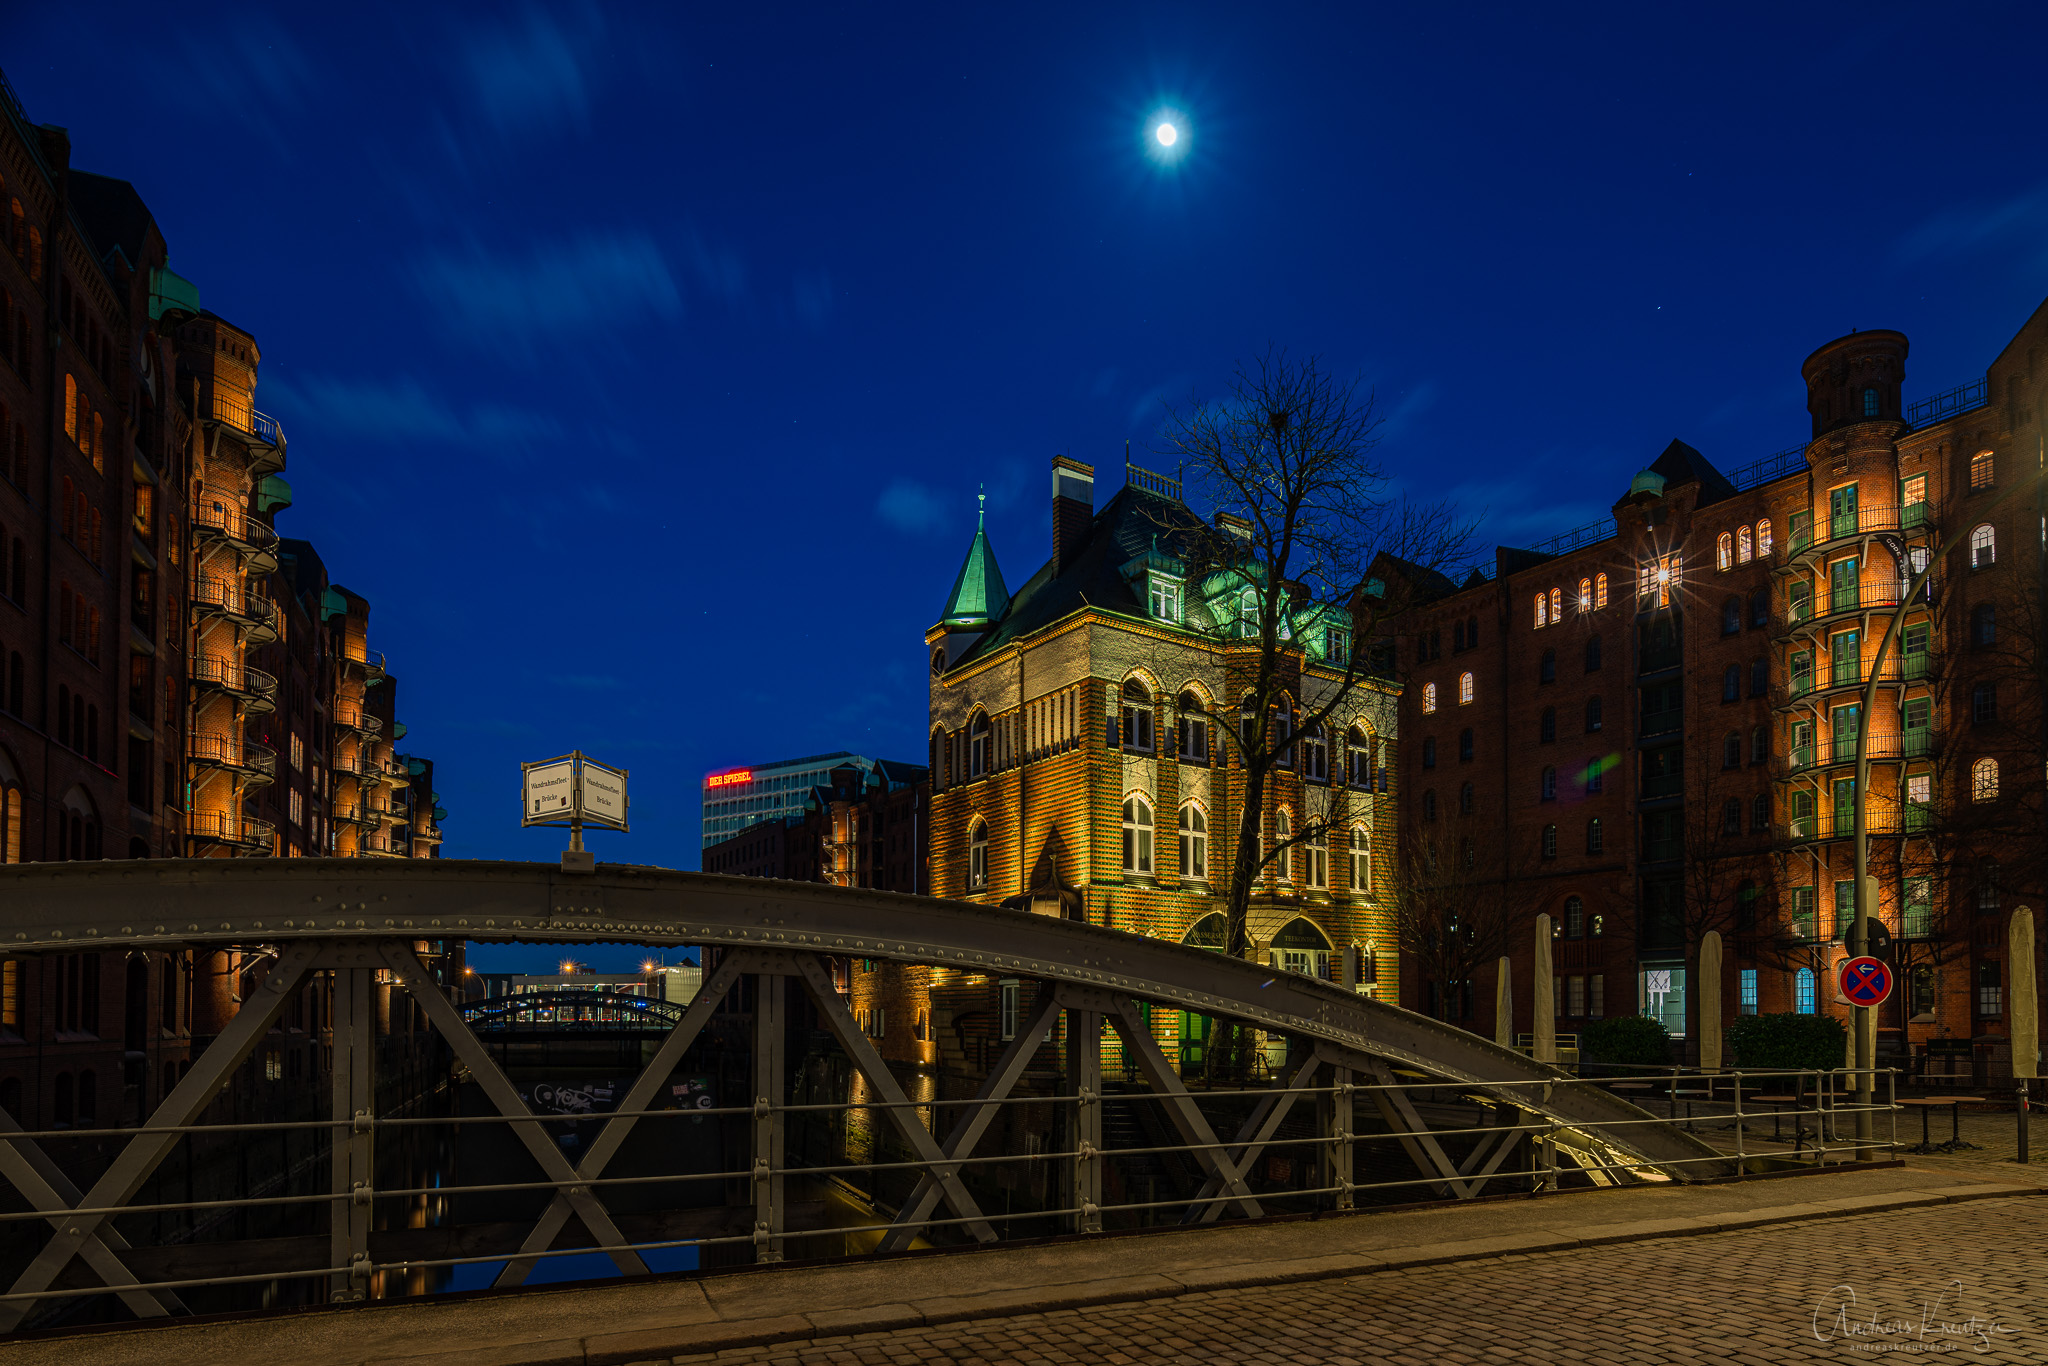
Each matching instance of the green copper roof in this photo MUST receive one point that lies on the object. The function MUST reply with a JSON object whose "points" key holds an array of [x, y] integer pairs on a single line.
{"points": [[979, 597]]}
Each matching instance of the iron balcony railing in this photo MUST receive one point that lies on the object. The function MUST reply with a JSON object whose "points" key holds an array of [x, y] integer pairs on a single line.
{"points": [[228, 827], [233, 598], [1918, 743], [1828, 600], [1960, 399], [1860, 521], [1577, 538], [229, 675], [1776, 465], [265, 428], [369, 662], [225, 751], [352, 718], [215, 518], [1886, 818]]}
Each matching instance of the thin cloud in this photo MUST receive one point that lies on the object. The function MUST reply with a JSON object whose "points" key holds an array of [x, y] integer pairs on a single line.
{"points": [[507, 299], [813, 297], [911, 507], [253, 72], [1966, 228], [404, 410], [528, 72]]}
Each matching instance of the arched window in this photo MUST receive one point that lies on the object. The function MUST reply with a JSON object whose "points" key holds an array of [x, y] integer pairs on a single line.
{"points": [[1248, 716], [977, 745], [1731, 683], [1550, 841], [1429, 805], [1283, 731], [1983, 470], [1549, 784], [1193, 728], [1744, 547], [1763, 539], [1593, 655], [1137, 834], [1546, 668], [1724, 552], [1464, 688], [1361, 861], [79, 833], [1319, 860], [1137, 716], [1542, 610], [1465, 745], [1301, 947], [1585, 595], [1760, 811], [1428, 698], [1599, 591], [1984, 780], [1983, 547], [1802, 992], [977, 857], [1315, 755], [1983, 625], [1194, 843], [1472, 632], [1465, 799], [1283, 833], [1358, 757], [1592, 715], [1556, 604], [1574, 918]]}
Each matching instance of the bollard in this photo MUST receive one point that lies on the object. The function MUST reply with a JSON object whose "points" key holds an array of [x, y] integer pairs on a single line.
{"points": [[2023, 1120]]}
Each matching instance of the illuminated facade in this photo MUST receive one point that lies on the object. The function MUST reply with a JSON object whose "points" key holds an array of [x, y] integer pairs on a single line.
{"points": [[1077, 770], [1653, 722], [736, 798]]}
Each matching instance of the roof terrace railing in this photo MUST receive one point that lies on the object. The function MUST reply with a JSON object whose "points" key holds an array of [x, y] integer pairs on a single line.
{"points": [[1960, 399], [1151, 482]]}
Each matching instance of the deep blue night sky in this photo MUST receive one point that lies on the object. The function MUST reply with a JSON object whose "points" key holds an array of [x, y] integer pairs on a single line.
{"points": [[640, 365]]}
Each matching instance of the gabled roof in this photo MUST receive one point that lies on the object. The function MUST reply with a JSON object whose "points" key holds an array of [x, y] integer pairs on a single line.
{"points": [[1127, 526], [1681, 464]]}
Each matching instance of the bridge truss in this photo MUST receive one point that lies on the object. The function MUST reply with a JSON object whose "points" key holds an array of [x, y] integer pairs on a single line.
{"points": [[1352, 1059]]}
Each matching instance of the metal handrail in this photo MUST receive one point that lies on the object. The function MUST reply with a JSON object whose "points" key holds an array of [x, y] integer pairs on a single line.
{"points": [[1832, 527], [1825, 603], [1898, 744], [228, 827], [236, 523], [234, 598], [265, 428], [229, 752], [232, 675], [1960, 399]]}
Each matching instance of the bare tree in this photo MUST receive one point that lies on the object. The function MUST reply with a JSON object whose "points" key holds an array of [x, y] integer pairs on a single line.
{"points": [[1286, 454], [1724, 865], [1459, 912]]}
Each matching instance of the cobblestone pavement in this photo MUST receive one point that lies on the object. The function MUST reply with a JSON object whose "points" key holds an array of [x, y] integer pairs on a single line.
{"points": [[1962, 1282]]}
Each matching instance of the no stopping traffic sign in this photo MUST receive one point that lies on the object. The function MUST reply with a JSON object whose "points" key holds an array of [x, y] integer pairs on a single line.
{"points": [[1865, 981]]}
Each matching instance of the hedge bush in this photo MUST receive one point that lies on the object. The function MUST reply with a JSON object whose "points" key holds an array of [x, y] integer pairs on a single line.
{"points": [[1791, 1041], [1630, 1040]]}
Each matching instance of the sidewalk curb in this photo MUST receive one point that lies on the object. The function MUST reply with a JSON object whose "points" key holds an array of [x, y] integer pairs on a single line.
{"points": [[705, 1339]]}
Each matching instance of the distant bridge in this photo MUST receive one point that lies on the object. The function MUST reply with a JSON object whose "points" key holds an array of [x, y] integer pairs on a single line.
{"points": [[571, 1014]]}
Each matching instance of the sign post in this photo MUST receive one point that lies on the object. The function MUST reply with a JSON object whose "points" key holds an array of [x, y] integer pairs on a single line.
{"points": [[573, 790]]}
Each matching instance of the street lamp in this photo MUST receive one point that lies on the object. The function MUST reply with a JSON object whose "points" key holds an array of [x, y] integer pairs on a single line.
{"points": [[1858, 943]]}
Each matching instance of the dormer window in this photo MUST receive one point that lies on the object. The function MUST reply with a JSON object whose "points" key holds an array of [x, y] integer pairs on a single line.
{"points": [[1164, 598]]}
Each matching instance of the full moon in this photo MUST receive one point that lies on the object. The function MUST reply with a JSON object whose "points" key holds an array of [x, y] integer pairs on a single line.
{"points": [[1167, 134]]}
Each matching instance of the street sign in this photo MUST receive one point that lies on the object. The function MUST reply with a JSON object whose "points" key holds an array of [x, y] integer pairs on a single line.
{"points": [[574, 791], [1865, 981]]}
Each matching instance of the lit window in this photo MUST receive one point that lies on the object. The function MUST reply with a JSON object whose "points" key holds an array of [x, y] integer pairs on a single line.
{"points": [[1137, 835], [1983, 470], [1361, 860], [1657, 577], [1428, 698], [1763, 539], [977, 746], [1194, 729], [1585, 595], [1194, 843], [1464, 688], [1802, 991], [1983, 547], [1556, 604], [1743, 545], [1724, 552], [1165, 599], [1315, 755], [1984, 780], [977, 857], [1283, 832], [1542, 610], [1599, 591]]}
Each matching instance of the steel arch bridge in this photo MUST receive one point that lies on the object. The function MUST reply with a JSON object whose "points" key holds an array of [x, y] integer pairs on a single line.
{"points": [[571, 1013], [361, 920]]}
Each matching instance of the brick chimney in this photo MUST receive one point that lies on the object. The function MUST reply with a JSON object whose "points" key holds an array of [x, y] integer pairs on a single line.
{"points": [[1073, 510]]}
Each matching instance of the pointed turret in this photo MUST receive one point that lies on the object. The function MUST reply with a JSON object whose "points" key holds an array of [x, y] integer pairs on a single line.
{"points": [[979, 598]]}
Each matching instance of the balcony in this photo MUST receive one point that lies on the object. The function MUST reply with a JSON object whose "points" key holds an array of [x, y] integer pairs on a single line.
{"points": [[1826, 603], [233, 600], [1834, 528], [243, 530], [1663, 722], [252, 687], [1825, 752], [397, 773], [1662, 785], [1850, 674], [368, 663], [358, 720], [258, 763], [229, 828], [1887, 820]]}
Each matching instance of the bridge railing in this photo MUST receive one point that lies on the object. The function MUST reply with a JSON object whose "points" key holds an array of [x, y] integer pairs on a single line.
{"points": [[803, 1141]]}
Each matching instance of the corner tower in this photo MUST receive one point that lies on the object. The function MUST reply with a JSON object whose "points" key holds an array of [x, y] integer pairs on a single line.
{"points": [[1857, 378]]}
